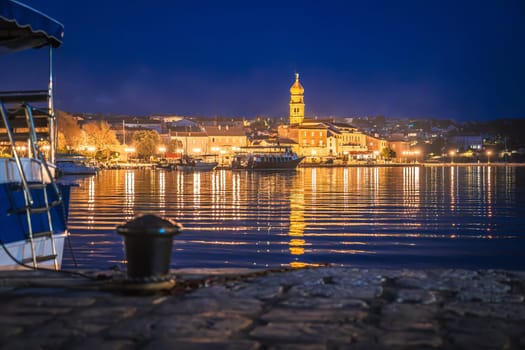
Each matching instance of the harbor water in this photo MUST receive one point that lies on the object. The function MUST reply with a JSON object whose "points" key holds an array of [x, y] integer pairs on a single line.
{"points": [[440, 216]]}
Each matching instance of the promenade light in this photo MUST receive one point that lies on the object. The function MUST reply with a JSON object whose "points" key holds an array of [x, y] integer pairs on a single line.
{"points": [[489, 153], [452, 153], [129, 149], [162, 149], [408, 154]]}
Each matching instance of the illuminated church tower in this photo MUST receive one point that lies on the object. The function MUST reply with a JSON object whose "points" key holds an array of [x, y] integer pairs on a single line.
{"points": [[296, 102]]}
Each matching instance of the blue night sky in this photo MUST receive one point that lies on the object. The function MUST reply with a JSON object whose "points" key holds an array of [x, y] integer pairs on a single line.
{"points": [[463, 60]]}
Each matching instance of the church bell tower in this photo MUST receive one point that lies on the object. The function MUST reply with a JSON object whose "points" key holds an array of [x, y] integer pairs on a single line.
{"points": [[296, 102]]}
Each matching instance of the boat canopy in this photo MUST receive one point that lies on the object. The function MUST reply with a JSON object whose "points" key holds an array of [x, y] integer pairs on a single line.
{"points": [[22, 27]]}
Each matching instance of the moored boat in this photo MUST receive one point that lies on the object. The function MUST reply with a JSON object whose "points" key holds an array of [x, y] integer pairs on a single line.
{"points": [[33, 206], [196, 164], [74, 166], [266, 158]]}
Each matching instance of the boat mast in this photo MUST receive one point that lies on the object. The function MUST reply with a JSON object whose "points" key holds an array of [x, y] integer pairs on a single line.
{"points": [[51, 105], [186, 143]]}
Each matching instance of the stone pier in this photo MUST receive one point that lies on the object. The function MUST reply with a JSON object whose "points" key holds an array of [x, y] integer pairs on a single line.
{"points": [[313, 308]]}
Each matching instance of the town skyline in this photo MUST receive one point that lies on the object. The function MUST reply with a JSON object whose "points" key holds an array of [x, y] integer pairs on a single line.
{"points": [[319, 141], [446, 60]]}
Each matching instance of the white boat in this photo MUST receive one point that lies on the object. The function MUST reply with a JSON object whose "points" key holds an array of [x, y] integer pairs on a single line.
{"points": [[33, 206], [196, 164], [74, 166]]}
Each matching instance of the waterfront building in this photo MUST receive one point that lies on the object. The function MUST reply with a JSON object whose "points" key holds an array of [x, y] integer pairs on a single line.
{"points": [[375, 144], [312, 138], [225, 140], [226, 137], [466, 142], [194, 140], [220, 140], [348, 141]]}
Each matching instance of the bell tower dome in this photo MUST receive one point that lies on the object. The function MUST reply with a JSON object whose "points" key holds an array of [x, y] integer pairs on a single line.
{"points": [[296, 102]]}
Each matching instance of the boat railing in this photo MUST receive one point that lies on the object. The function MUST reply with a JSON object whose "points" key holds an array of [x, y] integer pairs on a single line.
{"points": [[32, 170], [36, 151], [18, 125], [262, 150]]}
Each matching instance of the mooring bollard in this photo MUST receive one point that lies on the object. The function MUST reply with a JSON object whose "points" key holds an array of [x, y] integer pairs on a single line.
{"points": [[148, 240]]}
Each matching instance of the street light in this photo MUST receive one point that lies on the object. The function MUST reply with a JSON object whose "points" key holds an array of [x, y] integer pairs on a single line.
{"points": [[129, 151], [452, 153], [488, 156], [417, 153], [411, 156]]}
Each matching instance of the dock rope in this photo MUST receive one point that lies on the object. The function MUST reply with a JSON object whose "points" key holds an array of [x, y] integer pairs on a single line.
{"points": [[68, 272]]}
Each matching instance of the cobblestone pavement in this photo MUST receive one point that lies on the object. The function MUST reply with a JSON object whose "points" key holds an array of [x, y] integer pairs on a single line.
{"points": [[321, 308]]}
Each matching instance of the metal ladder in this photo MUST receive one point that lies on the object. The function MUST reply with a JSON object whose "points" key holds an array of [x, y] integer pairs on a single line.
{"points": [[22, 117]]}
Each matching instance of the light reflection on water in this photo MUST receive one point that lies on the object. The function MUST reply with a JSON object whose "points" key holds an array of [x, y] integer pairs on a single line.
{"points": [[368, 216]]}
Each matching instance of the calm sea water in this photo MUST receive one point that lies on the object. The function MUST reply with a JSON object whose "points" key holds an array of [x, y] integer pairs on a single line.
{"points": [[371, 216]]}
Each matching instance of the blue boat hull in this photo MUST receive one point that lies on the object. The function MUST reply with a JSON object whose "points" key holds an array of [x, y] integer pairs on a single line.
{"points": [[14, 233]]}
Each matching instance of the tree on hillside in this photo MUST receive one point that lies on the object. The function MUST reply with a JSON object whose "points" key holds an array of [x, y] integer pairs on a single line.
{"points": [[146, 142], [174, 145], [434, 148], [98, 134], [387, 153], [70, 135]]}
